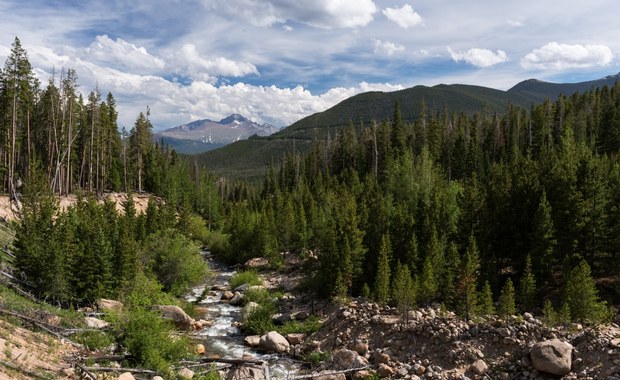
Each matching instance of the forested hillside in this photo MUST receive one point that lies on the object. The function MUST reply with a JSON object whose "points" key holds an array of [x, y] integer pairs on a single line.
{"points": [[452, 204]]}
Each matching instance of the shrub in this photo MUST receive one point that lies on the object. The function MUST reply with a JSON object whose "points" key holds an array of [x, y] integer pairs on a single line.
{"points": [[245, 277]]}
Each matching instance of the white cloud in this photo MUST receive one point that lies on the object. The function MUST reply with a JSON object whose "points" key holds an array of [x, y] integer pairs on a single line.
{"points": [[120, 52], [479, 57], [556, 56], [188, 61], [387, 47], [405, 17], [515, 23], [319, 13]]}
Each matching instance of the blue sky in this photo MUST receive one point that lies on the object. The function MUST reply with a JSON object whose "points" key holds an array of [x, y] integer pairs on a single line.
{"points": [[277, 61]]}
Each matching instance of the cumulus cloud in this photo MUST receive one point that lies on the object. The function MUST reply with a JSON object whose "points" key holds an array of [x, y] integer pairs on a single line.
{"points": [[405, 17], [515, 23], [554, 56], [120, 52], [387, 47], [319, 13], [189, 62], [479, 57]]}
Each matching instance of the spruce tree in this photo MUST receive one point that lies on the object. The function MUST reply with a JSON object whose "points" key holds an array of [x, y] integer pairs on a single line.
{"points": [[507, 300], [486, 300], [403, 290], [382, 279], [527, 287], [468, 279], [543, 238], [581, 296], [428, 282]]}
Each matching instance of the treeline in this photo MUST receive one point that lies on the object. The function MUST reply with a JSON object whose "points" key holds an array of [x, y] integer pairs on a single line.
{"points": [[456, 201]]}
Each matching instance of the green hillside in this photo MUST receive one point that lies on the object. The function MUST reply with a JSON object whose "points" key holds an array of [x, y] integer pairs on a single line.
{"points": [[250, 158]]}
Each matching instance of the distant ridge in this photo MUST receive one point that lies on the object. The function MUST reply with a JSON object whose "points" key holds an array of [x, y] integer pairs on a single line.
{"points": [[204, 135], [250, 158]]}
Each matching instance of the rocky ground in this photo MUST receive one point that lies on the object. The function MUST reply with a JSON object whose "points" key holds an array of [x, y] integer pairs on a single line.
{"points": [[436, 344]]}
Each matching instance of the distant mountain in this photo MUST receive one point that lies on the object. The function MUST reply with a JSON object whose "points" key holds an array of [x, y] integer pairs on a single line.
{"points": [[250, 158], [204, 135]]}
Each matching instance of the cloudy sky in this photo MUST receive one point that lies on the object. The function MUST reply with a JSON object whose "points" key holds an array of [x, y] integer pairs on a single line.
{"points": [[277, 61]]}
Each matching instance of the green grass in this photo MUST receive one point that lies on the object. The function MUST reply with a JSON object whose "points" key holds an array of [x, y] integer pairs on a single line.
{"points": [[245, 277]]}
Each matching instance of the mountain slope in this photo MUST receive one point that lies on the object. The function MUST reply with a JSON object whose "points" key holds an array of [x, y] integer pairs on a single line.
{"points": [[379, 106], [203, 135]]}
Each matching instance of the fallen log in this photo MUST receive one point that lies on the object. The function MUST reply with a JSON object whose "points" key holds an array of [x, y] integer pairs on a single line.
{"points": [[23, 370], [111, 369], [85, 370], [327, 373], [233, 361], [41, 325]]}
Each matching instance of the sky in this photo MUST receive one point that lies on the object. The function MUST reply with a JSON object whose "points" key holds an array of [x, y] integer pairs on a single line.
{"points": [[277, 61]]}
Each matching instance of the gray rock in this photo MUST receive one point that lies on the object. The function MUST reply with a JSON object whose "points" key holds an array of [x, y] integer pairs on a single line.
{"points": [[95, 323], [252, 340], [274, 342], [237, 299], [176, 315], [248, 309], [346, 359], [552, 356], [479, 367], [186, 373], [246, 373]]}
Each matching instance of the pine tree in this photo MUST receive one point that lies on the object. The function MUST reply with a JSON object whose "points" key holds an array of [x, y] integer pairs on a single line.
{"points": [[507, 300], [382, 279], [486, 300], [527, 287], [468, 279], [403, 290], [543, 238], [428, 282], [550, 317], [581, 296]]}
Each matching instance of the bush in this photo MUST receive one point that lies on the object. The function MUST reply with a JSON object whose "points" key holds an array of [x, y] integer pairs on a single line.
{"points": [[245, 277], [148, 338], [175, 260], [94, 340]]}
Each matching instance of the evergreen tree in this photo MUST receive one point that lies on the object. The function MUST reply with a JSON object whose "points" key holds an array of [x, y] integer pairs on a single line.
{"points": [[543, 238], [382, 279], [527, 287], [403, 290], [485, 300], [506, 305], [428, 282], [468, 279], [581, 296]]}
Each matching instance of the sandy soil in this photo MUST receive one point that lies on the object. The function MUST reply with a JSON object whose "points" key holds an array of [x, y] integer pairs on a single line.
{"points": [[141, 200]]}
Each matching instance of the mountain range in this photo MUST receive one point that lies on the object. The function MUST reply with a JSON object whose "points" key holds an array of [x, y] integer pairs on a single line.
{"points": [[204, 135], [250, 158]]}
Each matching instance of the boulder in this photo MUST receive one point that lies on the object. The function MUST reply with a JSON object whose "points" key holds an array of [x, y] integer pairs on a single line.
{"points": [[237, 299], [248, 309], [199, 349], [552, 356], [257, 262], [252, 340], [126, 376], [227, 295], [301, 315], [158, 378], [246, 373], [274, 342], [360, 347], [281, 318], [362, 375], [385, 370], [111, 305], [479, 367], [186, 373], [295, 338], [95, 323], [176, 315], [347, 359]]}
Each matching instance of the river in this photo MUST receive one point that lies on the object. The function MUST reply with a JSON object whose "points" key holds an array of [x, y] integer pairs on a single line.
{"points": [[223, 338]]}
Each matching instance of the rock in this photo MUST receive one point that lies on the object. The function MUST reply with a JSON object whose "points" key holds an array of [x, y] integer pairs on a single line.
{"points": [[528, 316], [380, 357], [252, 340], [246, 373], [346, 359], [300, 316], [112, 305], [248, 309], [479, 367], [126, 376], [186, 373], [385, 370], [615, 343], [552, 356], [280, 319], [504, 331], [295, 338], [362, 375], [360, 347], [237, 299], [199, 349], [158, 378], [257, 262], [227, 295], [273, 342], [95, 323], [242, 288], [198, 325], [177, 315]]}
